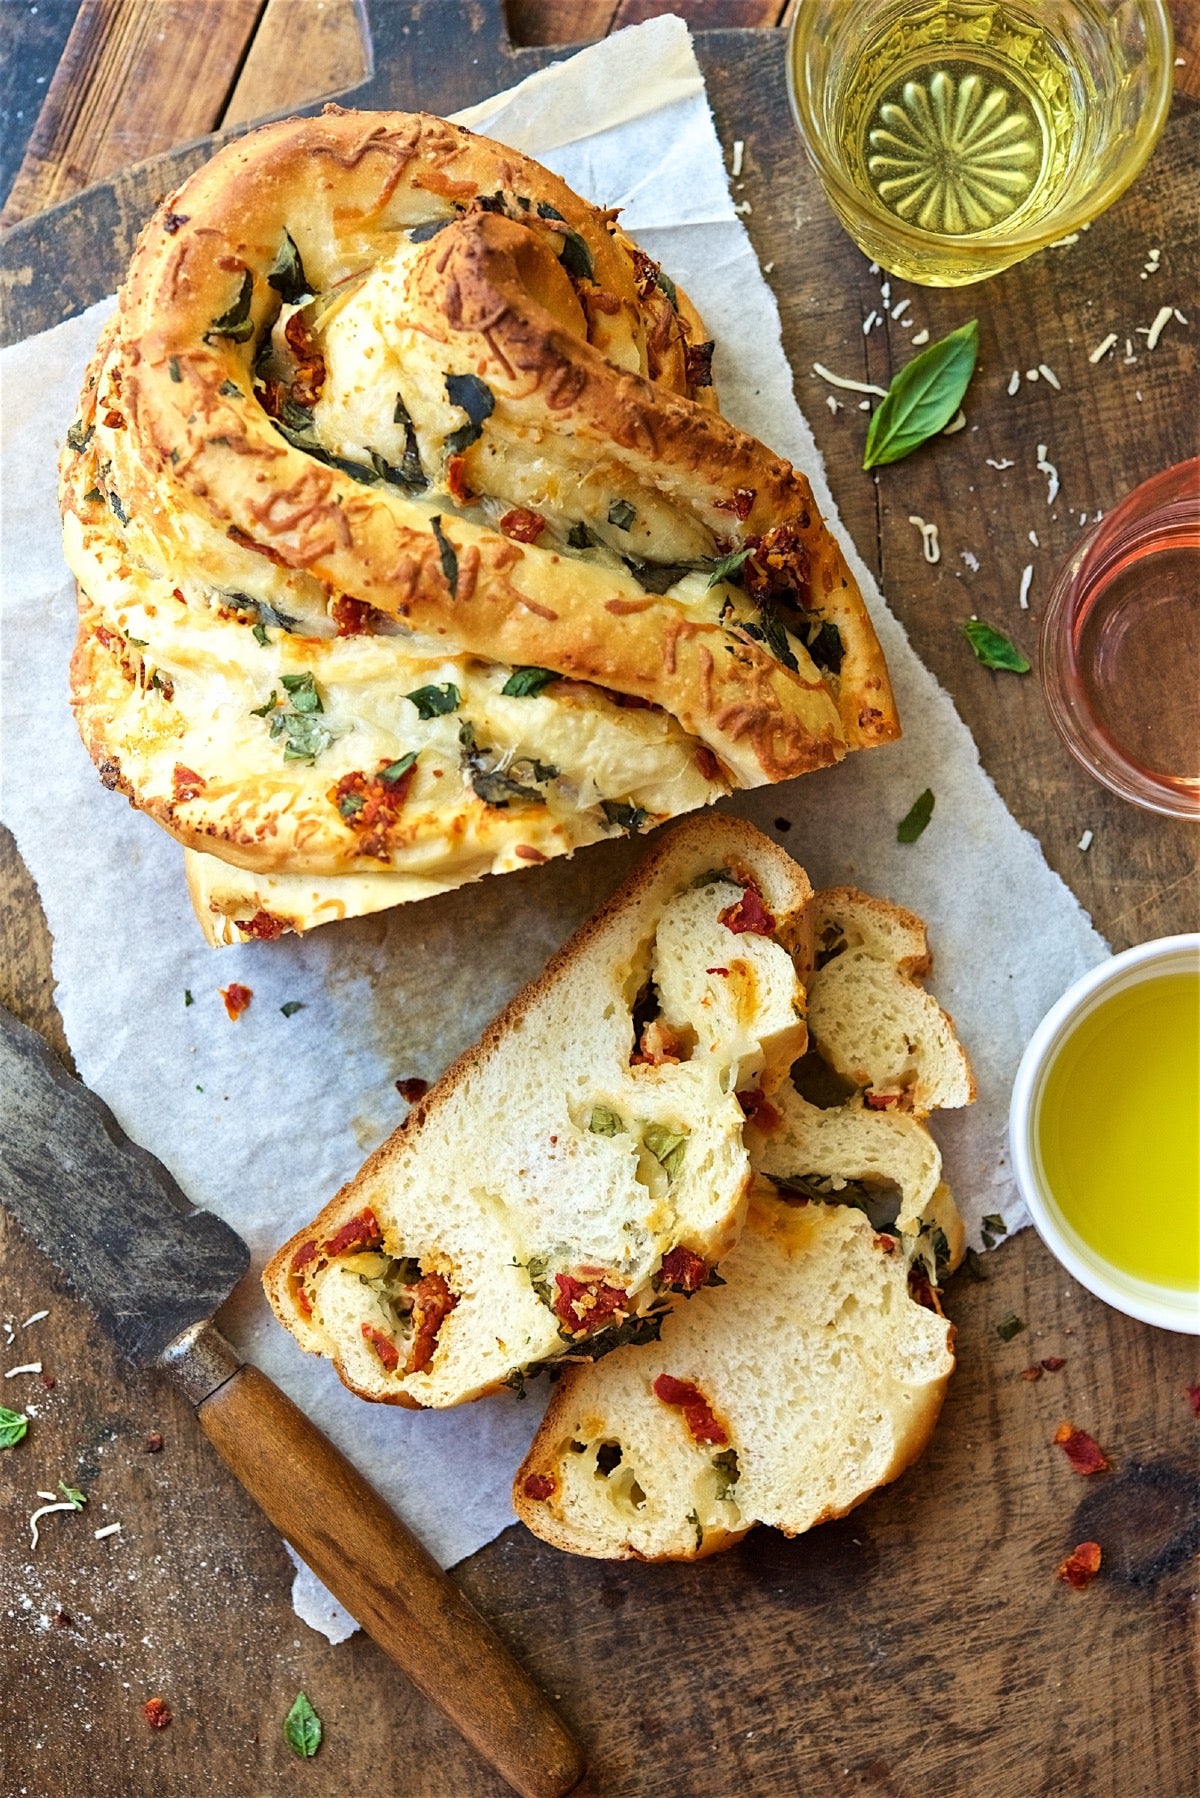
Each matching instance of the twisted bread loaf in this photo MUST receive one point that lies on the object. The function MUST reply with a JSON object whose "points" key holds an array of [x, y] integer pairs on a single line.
{"points": [[409, 541]]}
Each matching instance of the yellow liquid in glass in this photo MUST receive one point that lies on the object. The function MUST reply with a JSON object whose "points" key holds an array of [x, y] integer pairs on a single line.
{"points": [[1119, 1131]]}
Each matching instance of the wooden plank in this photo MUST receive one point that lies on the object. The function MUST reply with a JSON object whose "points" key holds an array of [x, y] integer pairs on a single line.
{"points": [[559, 21], [137, 77], [702, 15], [303, 50]]}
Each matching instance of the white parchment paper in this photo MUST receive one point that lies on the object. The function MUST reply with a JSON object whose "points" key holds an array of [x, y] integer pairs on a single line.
{"points": [[263, 1119]]}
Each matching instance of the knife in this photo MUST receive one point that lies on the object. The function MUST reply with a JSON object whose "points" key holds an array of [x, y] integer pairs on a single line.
{"points": [[154, 1269]]}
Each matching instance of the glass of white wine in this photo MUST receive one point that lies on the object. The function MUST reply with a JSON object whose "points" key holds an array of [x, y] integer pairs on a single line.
{"points": [[955, 137]]}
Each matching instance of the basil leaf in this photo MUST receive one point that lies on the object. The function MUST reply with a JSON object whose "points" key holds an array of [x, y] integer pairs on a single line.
{"points": [[290, 1007], [668, 287], [604, 1122], [431, 227], [579, 537], [923, 397], [114, 500], [13, 1425], [78, 438], [73, 1495], [173, 368], [436, 702], [994, 1222], [527, 683], [302, 691], [236, 323], [395, 771], [477, 401], [546, 211], [286, 274], [575, 257], [826, 648], [728, 1471], [187, 996], [727, 566], [496, 788], [259, 633], [667, 1147], [446, 552], [657, 577], [302, 1728], [229, 390], [629, 818], [769, 630], [265, 611], [1009, 1326], [267, 707], [993, 648], [622, 514], [306, 735], [911, 826]]}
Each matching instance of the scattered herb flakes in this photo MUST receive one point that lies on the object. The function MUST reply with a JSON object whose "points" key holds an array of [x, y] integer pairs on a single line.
{"points": [[93, 493], [1081, 1566], [527, 683], [301, 689], [236, 323], [992, 1227], [446, 552], [286, 274], [770, 631], [1009, 1326], [576, 258], [114, 500], [13, 1425], [290, 1007], [267, 707], [259, 633], [79, 436], [993, 648], [728, 1471], [73, 1496], [627, 817], [302, 1728], [229, 390], [187, 996], [923, 397], [668, 287], [395, 771], [431, 227], [478, 401], [604, 1122], [299, 723], [917, 819], [693, 1518], [825, 646], [579, 537], [667, 1147], [1082, 1451], [621, 514], [436, 702], [173, 368]]}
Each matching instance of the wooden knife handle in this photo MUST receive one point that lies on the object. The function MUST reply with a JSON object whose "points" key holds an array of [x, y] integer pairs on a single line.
{"points": [[376, 1567]]}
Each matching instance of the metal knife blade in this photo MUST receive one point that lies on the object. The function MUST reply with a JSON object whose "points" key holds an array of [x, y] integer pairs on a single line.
{"points": [[107, 1213]]}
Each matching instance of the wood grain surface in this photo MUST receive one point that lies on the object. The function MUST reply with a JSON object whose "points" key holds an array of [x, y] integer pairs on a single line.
{"points": [[924, 1641]]}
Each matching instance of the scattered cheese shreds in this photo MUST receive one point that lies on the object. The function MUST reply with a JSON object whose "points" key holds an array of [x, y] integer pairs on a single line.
{"points": [[1033, 538], [920, 338], [45, 1511], [929, 538], [1005, 462], [1101, 350], [957, 423], [1050, 472], [1014, 380], [835, 405], [1086, 840], [739, 150], [35, 1319], [110, 1529], [1048, 374], [900, 308], [1026, 583], [1162, 319], [1031, 374], [864, 405], [850, 386], [29, 1367], [971, 560], [871, 320]]}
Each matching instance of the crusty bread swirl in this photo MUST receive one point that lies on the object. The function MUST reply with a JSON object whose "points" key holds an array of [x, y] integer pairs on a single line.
{"points": [[386, 410]]}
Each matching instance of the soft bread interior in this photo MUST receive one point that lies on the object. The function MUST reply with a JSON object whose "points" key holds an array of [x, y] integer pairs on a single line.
{"points": [[595, 1133]]}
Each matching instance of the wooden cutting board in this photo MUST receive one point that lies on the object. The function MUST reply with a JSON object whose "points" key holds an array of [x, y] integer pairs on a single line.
{"points": [[924, 1640]]}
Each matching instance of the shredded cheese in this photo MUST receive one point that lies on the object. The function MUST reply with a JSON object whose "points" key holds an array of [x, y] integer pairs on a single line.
{"points": [[1162, 319], [1101, 350], [1014, 381], [1048, 374], [1050, 472], [971, 560], [1026, 583], [920, 338], [46, 1511], [29, 1367], [1033, 538], [835, 405], [957, 423], [850, 386], [1086, 840], [900, 308], [929, 538], [110, 1529], [35, 1319], [870, 321], [739, 150], [1005, 462]]}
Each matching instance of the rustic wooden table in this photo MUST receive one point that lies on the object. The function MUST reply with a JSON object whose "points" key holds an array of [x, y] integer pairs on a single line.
{"points": [[923, 1641]]}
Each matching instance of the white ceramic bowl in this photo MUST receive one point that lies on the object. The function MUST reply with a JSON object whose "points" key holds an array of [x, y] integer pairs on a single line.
{"points": [[1168, 1307]]}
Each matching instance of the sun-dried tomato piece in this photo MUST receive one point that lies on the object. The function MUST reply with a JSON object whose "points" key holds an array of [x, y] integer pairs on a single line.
{"points": [[683, 1270], [237, 998], [369, 805], [1081, 1566], [740, 502], [1052, 1363], [778, 562], [264, 926], [361, 1231], [707, 762], [186, 783], [887, 1243], [157, 1713], [702, 1425], [412, 1089], [1031, 1373], [697, 362], [658, 1046], [1082, 1451], [584, 1305], [1192, 1394], [354, 617], [749, 914], [880, 1101], [920, 1290], [756, 1105], [539, 1485], [309, 377], [433, 1302], [383, 1345], [522, 525]]}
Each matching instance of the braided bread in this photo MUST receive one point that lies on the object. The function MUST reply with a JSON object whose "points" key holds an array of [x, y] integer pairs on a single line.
{"points": [[409, 540]]}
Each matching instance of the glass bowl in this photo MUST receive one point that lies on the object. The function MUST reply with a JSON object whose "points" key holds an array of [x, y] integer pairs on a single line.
{"points": [[903, 104], [1120, 646]]}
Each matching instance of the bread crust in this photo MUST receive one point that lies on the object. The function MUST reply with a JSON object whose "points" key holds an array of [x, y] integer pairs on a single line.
{"points": [[175, 474]]}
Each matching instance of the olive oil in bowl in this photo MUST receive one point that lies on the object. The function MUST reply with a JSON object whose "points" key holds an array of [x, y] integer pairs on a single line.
{"points": [[1105, 1131], [954, 137]]}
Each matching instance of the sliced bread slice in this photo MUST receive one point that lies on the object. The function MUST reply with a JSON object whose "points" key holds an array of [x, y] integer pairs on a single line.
{"points": [[868, 1016], [586, 1158], [812, 1376]]}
